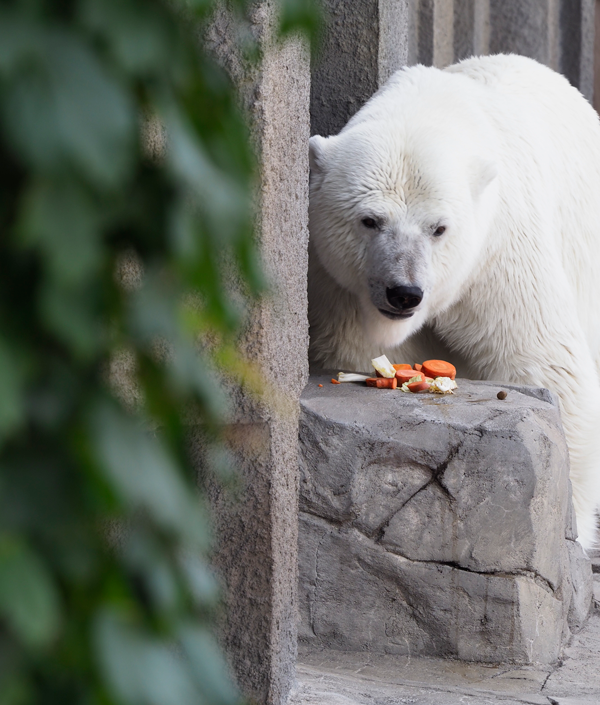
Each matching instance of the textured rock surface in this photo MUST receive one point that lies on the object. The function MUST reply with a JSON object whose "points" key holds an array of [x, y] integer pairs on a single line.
{"points": [[257, 536], [437, 525], [342, 678]]}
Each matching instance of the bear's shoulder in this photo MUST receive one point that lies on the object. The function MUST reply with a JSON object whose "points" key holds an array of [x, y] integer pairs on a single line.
{"points": [[508, 71]]}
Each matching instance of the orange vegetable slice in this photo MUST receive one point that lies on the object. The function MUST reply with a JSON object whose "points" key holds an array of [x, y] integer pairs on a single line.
{"points": [[439, 368], [406, 375], [418, 386], [382, 382]]}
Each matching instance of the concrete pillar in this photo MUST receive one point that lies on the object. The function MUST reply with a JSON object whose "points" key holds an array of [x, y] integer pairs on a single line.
{"points": [[525, 27], [558, 33], [367, 40], [577, 31], [471, 28], [443, 33], [256, 555], [596, 92], [364, 43]]}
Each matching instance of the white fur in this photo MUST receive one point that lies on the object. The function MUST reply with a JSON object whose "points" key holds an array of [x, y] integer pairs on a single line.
{"points": [[505, 154]]}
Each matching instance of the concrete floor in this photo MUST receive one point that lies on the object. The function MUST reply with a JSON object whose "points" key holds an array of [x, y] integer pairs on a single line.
{"points": [[339, 678]]}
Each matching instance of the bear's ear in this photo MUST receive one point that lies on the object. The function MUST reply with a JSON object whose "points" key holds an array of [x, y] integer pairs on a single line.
{"points": [[482, 174], [317, 149]]}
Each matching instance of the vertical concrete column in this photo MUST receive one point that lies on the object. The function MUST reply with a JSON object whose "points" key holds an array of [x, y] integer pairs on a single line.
{"points": [[471, 28], [441, 25], [558, 33], [481, 27], [364, 43], [256, 555], [596, 92], [527, 27], [443, 33], [577, 32]]}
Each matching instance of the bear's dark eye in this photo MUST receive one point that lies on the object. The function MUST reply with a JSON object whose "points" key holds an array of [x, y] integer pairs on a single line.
{"points": [[440, 230], [369, 223]]}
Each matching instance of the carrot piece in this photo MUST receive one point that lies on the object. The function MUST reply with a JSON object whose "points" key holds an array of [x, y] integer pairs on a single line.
{"points": [[417, 366], [334, 381], [403, 366], [382, 382], [320, 385], [439, 368], [418, 386], [405, 375]]}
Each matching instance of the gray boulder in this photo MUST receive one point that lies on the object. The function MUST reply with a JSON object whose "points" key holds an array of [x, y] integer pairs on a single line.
{"points": [[438, 525]]}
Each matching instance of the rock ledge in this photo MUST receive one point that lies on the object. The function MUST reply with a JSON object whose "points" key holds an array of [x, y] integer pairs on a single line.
{"points": [[438, 525]]}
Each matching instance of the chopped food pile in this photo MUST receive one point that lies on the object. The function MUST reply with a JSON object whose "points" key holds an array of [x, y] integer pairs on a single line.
{"points": [[435, 376]]}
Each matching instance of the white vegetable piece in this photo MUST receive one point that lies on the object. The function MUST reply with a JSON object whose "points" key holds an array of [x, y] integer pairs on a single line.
{"points": [[443, 385], [384, 366], [351, 377]]}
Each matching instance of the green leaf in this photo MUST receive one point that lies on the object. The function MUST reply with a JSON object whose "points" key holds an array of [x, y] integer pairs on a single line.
{"points": [[147, 557], [145, 475], [28, 597], [202, 6], [70, 313], [141, 670], [19, 38], [152, 310], [188, 369], [207, 664], [303, 15], [199, 577], [11, 390], [222, 200], [60, 219], [141, 37], [88, 117], [15, 689]]}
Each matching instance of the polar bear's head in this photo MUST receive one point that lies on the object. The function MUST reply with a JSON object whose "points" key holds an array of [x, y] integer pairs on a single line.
{"points": [[399, 217]]}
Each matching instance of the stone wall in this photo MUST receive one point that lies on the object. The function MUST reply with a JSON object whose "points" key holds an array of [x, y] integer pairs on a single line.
{"points": [[366, 41]]}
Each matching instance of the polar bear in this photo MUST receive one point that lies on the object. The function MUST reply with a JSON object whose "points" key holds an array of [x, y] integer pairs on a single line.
{"points": [[463, 205]]}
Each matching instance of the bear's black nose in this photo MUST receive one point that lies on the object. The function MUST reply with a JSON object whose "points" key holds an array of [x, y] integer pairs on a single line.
{"points": [[404, 297]]}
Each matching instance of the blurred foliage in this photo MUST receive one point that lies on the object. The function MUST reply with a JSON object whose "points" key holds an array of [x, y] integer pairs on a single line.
{"points": [[100, 244]]}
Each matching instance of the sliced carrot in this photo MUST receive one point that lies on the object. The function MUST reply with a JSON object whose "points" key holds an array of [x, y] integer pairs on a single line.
{"points": [[334, 381], [320, 385], [403, 366], [417, 366], [405, 375], [439, 368], [382, 382], [418, 386]]}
